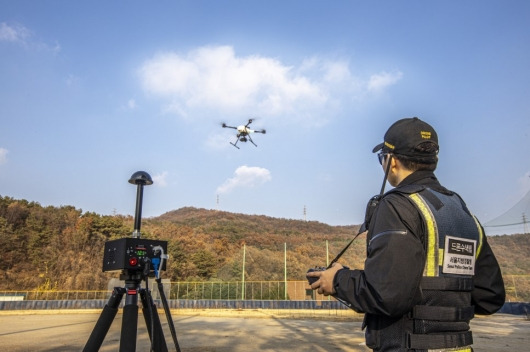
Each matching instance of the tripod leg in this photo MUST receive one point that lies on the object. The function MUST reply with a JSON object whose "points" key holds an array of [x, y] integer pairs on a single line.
{"points": [[105, 320], [168, 314], [152, 320], [129, 324]]}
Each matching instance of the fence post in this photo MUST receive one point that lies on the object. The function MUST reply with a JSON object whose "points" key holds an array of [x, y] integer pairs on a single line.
{"points": [[514, 288]]}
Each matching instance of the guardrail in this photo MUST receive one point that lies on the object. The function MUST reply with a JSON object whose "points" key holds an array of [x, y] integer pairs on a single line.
{"points": [[205, 295], [249, 290], [517, 290], [192, 290]]}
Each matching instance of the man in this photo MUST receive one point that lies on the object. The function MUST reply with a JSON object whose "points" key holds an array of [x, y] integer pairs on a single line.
{"points": [[429, 267]]}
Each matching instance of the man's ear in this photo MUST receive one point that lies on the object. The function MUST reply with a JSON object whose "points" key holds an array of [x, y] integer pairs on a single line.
{"points": [[395, 163]]}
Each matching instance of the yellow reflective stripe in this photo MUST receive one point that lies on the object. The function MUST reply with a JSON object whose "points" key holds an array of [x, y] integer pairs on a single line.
{"points": [[480, 236], [431, 265], [466, 349]]}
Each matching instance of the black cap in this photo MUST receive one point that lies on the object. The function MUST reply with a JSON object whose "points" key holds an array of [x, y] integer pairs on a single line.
{"points": [[405, 135]]}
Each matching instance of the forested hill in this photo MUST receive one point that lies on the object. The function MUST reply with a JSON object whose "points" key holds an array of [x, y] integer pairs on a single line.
{"points": [[213, 221], [62, 247]]}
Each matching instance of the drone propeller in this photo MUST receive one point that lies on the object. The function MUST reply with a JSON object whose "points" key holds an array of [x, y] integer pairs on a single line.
{"points": [[224, 125]]}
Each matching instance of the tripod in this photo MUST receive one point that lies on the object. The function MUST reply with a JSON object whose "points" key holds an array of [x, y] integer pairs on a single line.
{"points": [[136, 258], [130, 317]]}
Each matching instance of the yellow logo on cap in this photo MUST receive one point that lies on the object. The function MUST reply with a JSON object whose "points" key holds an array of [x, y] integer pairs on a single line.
{"points": [[425, 134], [390, 146]]}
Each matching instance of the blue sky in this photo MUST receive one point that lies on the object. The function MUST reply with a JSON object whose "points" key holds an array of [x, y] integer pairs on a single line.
{"points": [[92, 91]]}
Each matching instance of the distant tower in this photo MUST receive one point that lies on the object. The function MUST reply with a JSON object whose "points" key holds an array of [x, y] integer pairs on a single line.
{"points": [[217, 206], [305, 214], [525, 221]]}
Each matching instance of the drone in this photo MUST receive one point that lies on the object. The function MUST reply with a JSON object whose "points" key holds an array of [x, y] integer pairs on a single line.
{"points": [[243, 133]]}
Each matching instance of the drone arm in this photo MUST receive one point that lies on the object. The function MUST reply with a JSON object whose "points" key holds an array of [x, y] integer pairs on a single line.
{"points": [[248, 130]]}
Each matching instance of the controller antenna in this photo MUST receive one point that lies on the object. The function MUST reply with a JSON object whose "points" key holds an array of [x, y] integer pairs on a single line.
{"points": [[141, 179]]}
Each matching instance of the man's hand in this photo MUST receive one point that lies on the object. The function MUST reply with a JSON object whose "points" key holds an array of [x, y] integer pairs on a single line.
{"points": [[324, 284]]}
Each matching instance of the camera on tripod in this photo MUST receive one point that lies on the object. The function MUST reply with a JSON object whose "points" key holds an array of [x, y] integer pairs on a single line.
{"points": [[133, 254], [138, 259]]}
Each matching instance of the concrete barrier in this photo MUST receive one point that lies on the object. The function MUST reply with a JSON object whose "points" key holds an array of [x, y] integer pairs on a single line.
{"points": [[515, 308]]}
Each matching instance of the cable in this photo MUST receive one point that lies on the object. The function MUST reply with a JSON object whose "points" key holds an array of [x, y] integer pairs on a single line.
{"points": [[517, 223], [160, 261]]}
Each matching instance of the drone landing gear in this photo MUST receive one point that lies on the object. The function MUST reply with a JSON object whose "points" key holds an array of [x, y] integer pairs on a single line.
{"points": [[251, 141], [243, 138]]}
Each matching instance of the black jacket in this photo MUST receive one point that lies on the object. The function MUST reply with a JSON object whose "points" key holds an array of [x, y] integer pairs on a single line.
{"points": [[389, 283]]}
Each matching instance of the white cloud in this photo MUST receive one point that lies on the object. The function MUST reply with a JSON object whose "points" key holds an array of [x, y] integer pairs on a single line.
{"points": [[14, 33], [17, 33], [214, 79], [382, 80], [337, 72], [160, 180], [3, 155], [246, 177]]}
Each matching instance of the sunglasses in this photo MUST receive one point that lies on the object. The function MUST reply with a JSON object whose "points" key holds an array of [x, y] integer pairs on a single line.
{"points": [[381, 156]]}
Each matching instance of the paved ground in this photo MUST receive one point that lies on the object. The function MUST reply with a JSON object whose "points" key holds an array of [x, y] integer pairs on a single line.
{"points": [[69, 331]]}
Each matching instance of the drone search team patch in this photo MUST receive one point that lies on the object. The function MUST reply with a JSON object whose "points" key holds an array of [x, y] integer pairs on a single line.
{"points": [[459, 256]]}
